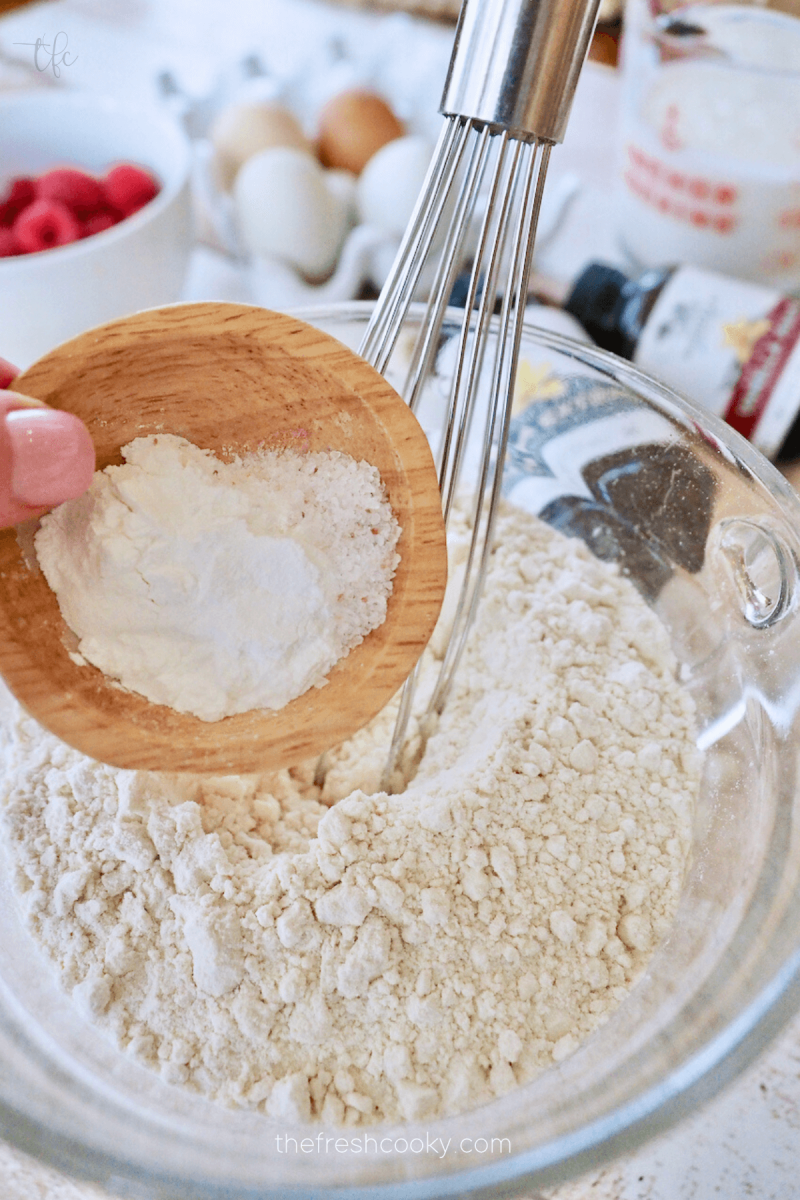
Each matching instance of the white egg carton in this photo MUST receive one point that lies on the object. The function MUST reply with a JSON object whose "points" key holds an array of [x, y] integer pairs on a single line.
{"points": [[381, 203], [367, 247]]}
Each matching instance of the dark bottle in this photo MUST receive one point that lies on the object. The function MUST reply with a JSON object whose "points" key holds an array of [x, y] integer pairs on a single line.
{"points": [[732, 346]]}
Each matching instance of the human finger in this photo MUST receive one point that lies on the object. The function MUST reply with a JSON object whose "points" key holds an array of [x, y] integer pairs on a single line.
{"points": [[46, 457]]}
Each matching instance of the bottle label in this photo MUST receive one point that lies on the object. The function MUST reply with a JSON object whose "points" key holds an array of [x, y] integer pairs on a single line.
{"points": [[597, 463], [733, 347]]}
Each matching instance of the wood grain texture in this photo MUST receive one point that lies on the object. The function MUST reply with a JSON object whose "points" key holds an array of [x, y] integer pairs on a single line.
{"points": [[229, 378]]}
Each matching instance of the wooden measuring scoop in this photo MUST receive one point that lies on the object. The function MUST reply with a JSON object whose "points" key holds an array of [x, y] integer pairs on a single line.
{"points": [[230, 378]]}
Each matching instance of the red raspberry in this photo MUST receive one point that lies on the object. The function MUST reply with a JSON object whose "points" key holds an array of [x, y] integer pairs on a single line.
{"points": [[129, 188], [99, 222], [20, 193], [8, 243], [44, 224], [81, 192]]}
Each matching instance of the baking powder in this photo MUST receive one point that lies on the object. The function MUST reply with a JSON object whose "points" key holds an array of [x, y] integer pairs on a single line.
{"points": [[219, 587]]}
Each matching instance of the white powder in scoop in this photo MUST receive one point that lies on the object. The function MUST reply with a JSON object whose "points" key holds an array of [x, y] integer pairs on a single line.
{"points": [[390, 956], [219, 587]]}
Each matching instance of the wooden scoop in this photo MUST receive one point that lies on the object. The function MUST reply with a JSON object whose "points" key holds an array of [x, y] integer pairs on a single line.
{"points": [[227, 377]]}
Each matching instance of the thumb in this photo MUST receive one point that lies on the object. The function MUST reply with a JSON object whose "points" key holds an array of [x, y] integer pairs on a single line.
{"points": [[46, 457], [7, 372]]}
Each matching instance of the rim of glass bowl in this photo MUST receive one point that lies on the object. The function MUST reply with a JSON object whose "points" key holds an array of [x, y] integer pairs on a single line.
{"points": [[173, 1159]]}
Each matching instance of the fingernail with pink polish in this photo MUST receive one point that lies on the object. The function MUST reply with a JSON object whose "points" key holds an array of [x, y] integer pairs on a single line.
{"points": [[52, 455]]}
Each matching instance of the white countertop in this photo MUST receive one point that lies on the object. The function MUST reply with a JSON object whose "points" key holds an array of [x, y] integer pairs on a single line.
{"points": [[745, 1143]]}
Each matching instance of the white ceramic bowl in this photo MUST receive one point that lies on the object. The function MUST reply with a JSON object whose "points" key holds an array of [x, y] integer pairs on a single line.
{"points": [[48, 297]]}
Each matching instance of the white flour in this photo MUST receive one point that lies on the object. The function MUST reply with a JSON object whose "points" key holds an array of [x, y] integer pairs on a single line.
{"points": [[392, 956], [219, 587]]}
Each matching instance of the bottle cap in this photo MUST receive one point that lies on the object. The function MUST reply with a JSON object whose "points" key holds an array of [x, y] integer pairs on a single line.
{"points": [[597, 300]]}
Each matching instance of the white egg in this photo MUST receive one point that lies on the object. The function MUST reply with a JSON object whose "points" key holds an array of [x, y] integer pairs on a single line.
{"points": [[285, 210], [241, 130], [343, 185], [388, 187]]}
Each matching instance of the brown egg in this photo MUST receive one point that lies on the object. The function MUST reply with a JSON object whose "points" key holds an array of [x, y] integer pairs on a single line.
{"points": [[242, 130], [352, 126]]}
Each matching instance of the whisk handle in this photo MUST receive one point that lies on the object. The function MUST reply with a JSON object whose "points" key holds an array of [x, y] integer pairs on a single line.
{"points": [[515, 63]]}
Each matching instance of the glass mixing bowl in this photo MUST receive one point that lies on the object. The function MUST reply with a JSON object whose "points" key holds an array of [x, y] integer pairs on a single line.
{"points": [[710, 532]]}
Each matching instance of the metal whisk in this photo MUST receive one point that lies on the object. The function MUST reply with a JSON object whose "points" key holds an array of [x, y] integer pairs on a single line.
{"points": [[506, 100]]}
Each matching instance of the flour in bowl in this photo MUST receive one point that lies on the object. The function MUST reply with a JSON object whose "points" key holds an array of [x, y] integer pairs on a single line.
{"points": [[219, 587], [387, 957]]}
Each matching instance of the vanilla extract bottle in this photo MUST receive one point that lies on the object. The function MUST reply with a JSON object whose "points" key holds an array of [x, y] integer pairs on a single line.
{"points": [[730, 345]]}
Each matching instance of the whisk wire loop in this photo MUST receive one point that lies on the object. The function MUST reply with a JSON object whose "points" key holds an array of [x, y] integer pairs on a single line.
{"points": [[414, 251], [450, 258], [473, 340], [486, 176], [529, 170]]}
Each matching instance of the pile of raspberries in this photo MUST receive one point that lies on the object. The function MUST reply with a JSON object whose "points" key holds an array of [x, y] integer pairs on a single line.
{"points": [[66, 204]]}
